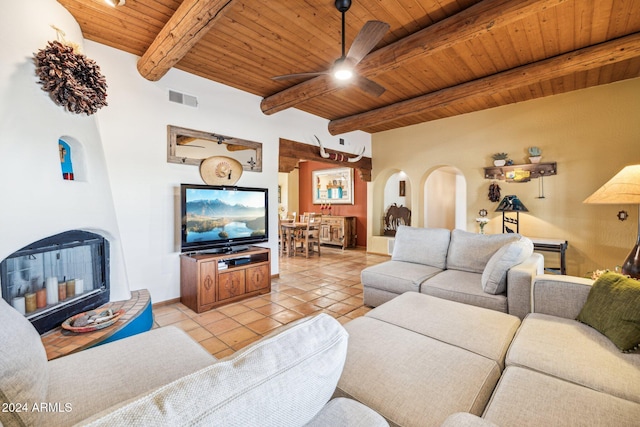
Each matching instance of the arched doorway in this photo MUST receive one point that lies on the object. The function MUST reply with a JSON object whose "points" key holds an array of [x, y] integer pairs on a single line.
{"points": [[445, 201]]}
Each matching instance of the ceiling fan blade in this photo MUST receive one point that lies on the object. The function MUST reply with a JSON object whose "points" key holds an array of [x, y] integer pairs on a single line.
{"points": [[367, 39], [299, 75], [369, 86]]}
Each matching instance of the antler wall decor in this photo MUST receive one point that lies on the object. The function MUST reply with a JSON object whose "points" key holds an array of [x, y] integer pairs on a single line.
{"points": [[292, 152], [339, 157]]}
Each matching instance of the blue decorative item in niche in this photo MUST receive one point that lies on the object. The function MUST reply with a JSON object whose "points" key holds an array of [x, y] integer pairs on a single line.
{"points": [[65, 160]]}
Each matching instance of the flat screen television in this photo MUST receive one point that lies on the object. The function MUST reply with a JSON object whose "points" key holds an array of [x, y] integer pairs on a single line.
{"points": [[223, 219]]}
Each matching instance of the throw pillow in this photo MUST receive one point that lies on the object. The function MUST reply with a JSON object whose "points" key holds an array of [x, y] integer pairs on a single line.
{"points": [[421, 245], [613, 309], [471, 251], [494, 276]]}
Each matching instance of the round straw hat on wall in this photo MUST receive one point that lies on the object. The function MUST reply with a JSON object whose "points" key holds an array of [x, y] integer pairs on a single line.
{"points": [[220, 170]]}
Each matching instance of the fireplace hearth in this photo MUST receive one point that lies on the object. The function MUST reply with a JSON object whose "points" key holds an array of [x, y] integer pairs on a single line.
{"points": [[57, 277]]}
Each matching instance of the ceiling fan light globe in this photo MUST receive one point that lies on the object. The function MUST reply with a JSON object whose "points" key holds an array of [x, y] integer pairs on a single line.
{"points": [[343, 74]]}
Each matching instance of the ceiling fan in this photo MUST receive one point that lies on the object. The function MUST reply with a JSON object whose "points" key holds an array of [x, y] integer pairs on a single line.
{"points": [[343, 68]]}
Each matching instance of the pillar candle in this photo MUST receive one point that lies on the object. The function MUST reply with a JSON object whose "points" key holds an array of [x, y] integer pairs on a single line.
{"points": [[52, 290], [41, 298], [30, 302], [62, 291], [18, 304], [71, 288], [79, 286]]}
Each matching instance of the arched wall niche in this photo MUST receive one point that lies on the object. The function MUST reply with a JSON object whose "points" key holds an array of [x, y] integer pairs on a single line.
{"points": [[397, 191], [77, 158], [377, 202]]}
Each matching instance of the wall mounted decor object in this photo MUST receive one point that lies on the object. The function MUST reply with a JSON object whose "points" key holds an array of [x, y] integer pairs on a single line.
{"points": [[220, 170], [292, 152], [72, 80], [332, 186], [191, 147]]}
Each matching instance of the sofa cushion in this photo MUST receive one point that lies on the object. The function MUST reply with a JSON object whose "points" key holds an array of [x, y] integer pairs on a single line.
{"points": [[613, 308], [23, 369], [283, 379], [421, 245], [465, 419], [464, 287], [411, 379], [575, 352], [471, 251], [397, 276], [494, 276], [485, 332], [347, 413], [526, 398]]}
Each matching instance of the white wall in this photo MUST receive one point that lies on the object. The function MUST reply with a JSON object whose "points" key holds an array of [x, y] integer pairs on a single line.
{"points": [[35, 201], [145, 187]]}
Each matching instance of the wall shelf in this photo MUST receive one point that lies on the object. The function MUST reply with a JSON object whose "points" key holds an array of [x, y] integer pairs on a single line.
{"points": [[536, 170]]}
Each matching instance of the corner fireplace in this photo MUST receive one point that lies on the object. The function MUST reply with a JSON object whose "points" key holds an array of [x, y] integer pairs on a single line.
{"points": [[54, 278]]}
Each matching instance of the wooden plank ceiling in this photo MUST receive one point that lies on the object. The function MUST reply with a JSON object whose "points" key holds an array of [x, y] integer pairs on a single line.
{"points": [[439, 59]]}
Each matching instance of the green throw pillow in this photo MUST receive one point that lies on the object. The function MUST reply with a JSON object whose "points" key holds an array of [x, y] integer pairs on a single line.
{"points": [[613, 308]]}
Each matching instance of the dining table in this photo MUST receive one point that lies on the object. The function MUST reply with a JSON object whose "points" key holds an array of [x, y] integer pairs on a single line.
{"points": [[287, 230]]}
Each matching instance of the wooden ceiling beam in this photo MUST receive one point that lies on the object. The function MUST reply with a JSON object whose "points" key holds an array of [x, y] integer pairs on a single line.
{"points": [[472, 22], [581, 60], [190, 22]]}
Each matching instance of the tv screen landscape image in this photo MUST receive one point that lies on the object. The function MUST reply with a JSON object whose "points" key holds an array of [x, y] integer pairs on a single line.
{"points": [[217, 217]]}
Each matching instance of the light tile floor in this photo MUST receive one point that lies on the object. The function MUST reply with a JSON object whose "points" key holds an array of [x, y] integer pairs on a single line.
{"points": [[328, 283]]}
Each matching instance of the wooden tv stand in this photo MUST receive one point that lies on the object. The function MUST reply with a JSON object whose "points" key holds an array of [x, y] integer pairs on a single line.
{"points": [[205, 283]]}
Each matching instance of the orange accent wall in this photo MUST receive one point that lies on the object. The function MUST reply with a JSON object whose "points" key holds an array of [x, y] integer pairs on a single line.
{"points": [[358, 209]]}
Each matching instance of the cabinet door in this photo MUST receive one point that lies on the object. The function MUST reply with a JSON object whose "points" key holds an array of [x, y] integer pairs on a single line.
{"points": [[230, 284], [325, 232], [207, 285], [257, 278], [337, 234]]}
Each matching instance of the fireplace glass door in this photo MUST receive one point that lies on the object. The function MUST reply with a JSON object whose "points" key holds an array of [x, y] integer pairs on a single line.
{"points": [[57, 277]]}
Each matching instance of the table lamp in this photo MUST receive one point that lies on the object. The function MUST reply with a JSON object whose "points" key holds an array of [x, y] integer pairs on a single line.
{"points": [[511, 204], [623, 188]]}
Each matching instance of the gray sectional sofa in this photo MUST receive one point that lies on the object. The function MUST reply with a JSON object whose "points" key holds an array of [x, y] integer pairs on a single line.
{"points": [[417, 360], [424, 361], [486, 270]]}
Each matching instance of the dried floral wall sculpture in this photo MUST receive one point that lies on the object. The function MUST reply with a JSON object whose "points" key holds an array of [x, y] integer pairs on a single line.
{"points": [[73, 80]]}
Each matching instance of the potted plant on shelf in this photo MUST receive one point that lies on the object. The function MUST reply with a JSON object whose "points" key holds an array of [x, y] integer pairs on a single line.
{"points": [[499, 159], [535, 154]]}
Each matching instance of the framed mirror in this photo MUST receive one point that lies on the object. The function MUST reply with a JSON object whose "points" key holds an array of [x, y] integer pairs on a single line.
{"points": [[191, 147], [332, 186]]}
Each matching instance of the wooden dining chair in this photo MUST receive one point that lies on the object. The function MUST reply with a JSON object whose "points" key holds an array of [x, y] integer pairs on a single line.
{"points": [[283, 235], [305, 239]]}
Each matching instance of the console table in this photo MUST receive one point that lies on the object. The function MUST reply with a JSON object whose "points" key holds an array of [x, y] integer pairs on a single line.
{"points": [[211, 280], [552, 245]]}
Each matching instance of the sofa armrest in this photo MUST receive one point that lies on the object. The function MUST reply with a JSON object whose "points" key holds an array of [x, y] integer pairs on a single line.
{"points": [[561, 296], [519, 279]]}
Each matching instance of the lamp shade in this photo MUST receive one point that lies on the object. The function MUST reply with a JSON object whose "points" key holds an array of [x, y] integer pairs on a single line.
{"points": [[623, 188], [511, 204]]}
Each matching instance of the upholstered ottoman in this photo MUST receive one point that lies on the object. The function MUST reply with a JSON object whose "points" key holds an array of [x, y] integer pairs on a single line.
{"points": [[418, 359]]}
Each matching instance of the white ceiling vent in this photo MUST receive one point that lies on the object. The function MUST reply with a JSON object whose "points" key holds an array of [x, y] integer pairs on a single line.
{"points": [[183, 98]]}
